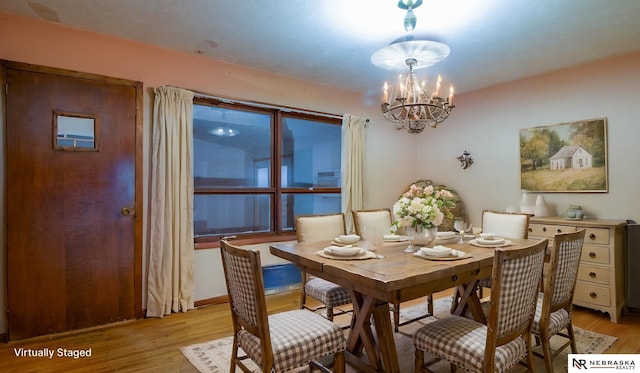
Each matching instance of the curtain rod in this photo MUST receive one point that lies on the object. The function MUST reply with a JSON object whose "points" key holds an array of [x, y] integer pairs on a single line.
{"points": [[268, 106]]}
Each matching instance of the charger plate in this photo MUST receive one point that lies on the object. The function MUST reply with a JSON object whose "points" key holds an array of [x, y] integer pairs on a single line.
{"points": [[365, 254], [441, 258], [504, 244]]}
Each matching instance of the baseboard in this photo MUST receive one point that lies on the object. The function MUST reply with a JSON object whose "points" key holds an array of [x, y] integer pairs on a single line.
{"points": [[631, 311], [211, 301]]}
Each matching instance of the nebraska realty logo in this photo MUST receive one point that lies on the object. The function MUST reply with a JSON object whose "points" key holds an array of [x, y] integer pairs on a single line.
{"points": [[602, 362]]}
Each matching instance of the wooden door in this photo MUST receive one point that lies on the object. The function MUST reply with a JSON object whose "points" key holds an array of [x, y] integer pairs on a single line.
{"points": [[74, 254]]}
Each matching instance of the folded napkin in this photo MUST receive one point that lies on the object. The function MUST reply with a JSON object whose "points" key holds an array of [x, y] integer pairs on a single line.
{"points": [[437, 250], [458, 253], [342, 250], [490, 241]]}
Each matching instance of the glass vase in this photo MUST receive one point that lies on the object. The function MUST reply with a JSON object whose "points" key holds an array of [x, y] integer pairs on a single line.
{"points": [[425, 236]]}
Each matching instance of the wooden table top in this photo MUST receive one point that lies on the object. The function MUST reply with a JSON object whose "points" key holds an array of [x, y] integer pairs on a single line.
{"points": [[399, 275]]}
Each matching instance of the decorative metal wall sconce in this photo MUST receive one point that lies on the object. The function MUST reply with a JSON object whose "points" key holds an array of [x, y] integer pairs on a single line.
{"points": [[465, 160]]}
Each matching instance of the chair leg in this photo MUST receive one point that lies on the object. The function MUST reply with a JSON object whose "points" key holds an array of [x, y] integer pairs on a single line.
{"points": [[430, 304], [546, 352], [530, 362], [303, 299], [330, 313], [419, 361], [303, 296], [339, 362], [234, 356], [572, 338]]}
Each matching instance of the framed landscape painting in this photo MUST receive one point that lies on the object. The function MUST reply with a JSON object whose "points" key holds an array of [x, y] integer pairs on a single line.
{"points": [[565, 157]]}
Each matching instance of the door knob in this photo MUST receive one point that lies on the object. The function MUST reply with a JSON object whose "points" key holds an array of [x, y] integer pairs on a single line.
{"points": [[126, 211]]}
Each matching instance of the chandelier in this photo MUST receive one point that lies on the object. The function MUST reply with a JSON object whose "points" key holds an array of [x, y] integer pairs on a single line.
{"points": [[412, 105]]}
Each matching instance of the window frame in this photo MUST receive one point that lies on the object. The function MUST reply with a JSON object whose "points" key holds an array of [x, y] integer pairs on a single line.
{"points": [[275, 191]]}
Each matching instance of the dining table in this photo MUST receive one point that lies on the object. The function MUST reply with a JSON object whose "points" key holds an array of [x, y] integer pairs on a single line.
{"points": [[386, 274]]}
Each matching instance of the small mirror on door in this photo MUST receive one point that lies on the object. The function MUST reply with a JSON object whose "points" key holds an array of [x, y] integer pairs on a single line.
{"points": [[75, 132]]}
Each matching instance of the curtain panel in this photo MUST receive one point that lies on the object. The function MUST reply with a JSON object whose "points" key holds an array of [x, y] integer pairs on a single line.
{"points": [[170, 273], [352, 170]]}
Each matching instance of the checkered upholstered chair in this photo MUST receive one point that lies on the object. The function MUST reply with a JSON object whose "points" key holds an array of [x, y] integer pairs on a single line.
{"points": [[314, 228], [506, 339], [553, 312], [504, 224], [281, 341], [369, 220]]}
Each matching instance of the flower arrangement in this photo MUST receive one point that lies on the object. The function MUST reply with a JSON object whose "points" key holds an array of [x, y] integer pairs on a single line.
{"points": [[424, 206]]}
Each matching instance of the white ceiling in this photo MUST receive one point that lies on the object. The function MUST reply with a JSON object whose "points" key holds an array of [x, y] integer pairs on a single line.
{"points": [[331, 41]]}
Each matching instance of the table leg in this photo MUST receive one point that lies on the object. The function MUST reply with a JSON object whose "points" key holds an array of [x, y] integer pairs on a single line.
{"points": [[384, 331], [468, 300], [361, 333]]}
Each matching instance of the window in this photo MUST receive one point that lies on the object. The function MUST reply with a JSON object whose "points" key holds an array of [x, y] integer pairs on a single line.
{"points": [[257, 168]]}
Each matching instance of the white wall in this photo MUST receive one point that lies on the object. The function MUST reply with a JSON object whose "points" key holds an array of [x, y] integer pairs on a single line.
{"points": [[487, 124]]}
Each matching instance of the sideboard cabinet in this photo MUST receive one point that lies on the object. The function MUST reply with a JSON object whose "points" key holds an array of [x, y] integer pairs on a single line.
{"points": [[601, 275]]}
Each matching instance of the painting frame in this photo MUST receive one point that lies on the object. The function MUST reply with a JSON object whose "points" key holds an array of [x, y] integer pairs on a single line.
{"points": [[569, 157]]}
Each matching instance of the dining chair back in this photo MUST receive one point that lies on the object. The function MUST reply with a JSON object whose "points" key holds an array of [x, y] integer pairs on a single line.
{"points": [[513, 225], [378, 221], [506, 339], [370, 221], [279, 342], [314, 228], [553, 311]]}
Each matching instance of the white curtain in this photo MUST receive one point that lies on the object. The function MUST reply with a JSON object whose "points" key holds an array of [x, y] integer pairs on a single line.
{"points": [[170, 278], [353, 142]]}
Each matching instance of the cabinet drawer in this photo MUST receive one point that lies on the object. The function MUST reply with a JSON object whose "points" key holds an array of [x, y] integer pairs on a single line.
{"points": [[596, 236], [594, 274], [592, 294], [549, 230], [595, 254]]}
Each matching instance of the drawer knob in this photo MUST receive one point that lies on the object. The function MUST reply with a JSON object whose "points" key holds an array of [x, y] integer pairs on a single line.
{"points": [[544, 229], [530, 230], [559, 230], [592, 274], [454, 278], [592, 254], [593, 295], [592, 236]]}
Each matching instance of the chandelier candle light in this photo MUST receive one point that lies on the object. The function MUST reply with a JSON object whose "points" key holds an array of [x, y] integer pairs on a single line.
{"points": [[411, 105]]}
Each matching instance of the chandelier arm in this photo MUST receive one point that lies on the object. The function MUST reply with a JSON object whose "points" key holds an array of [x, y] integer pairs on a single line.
{"points": [[411, 106]]}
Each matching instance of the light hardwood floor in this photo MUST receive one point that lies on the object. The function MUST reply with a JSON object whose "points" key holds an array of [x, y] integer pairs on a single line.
{"points": [[152, 345]]}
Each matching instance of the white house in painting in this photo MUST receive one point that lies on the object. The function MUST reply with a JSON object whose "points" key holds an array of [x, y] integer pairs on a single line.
{"points": [[571, 157]]}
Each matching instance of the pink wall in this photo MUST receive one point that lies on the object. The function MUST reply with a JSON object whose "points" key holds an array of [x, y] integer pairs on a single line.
{"points": [[49, 44]]}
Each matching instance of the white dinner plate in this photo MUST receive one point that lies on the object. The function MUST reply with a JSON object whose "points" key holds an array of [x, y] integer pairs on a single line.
{"points": [[446, 239], [445, 235], [395, 238]]}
